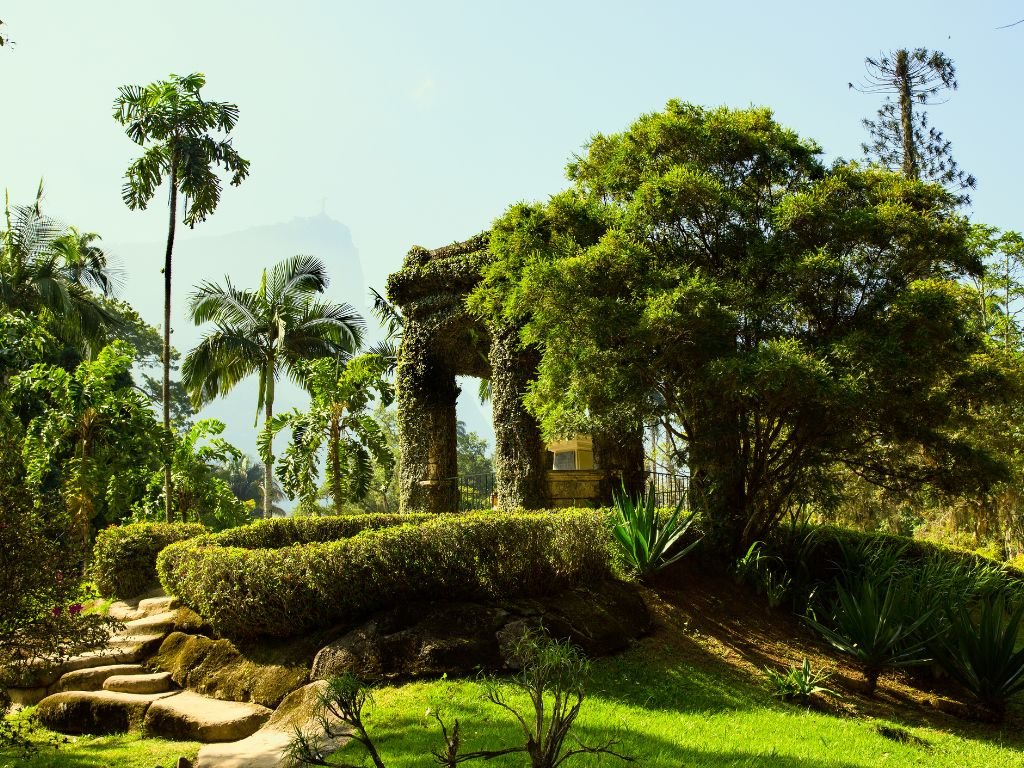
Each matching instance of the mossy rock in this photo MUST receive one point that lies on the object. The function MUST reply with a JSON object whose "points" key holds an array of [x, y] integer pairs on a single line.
{"points": [[219, 668]]}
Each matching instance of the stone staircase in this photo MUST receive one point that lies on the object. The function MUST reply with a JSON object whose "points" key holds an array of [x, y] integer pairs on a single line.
{"points": [[111, 691]]}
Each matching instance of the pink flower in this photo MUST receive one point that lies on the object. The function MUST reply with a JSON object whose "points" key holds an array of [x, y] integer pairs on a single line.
{"points": [[75, 609], [56, 610]]}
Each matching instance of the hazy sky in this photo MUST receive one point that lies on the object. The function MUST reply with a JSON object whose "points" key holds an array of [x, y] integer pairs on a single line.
{"points": [[418, 123]]}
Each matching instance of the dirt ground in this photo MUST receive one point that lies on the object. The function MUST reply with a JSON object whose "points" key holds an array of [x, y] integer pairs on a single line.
{"points": [[702, 612]]}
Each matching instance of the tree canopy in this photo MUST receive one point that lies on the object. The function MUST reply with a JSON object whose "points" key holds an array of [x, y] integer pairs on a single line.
{"points": [[781, 317]]}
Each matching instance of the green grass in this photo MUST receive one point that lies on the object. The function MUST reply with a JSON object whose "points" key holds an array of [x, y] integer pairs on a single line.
{"points": [[681, 716], [125, 750]]}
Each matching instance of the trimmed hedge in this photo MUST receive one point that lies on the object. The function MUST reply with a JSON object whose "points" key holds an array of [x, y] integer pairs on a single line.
{"points": [[124, 556], [288, 590], [288, 531]]}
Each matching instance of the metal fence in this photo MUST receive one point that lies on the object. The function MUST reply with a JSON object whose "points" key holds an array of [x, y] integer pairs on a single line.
{"points": [[475, 491], [669, 489]]}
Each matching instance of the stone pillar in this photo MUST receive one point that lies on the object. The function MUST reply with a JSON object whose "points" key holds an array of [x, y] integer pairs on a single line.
{"points": [[426, 392], [519, 455], [621, 457]]}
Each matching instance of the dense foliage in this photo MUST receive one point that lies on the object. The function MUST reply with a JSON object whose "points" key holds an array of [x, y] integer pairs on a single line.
{"points": [[124, 556], [284, 591], [781, 317]]}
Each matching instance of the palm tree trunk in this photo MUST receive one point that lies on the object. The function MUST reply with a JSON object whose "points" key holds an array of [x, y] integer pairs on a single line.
{"points": [[166, 389], [268, 468]]}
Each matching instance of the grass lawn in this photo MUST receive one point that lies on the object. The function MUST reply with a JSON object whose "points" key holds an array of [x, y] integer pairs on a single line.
{"points": [[128, 750]]}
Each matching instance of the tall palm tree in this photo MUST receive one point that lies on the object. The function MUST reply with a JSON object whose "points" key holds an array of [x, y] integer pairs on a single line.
{"points": [[57, 273], [177, 123], [245, 478], [267, 332]]}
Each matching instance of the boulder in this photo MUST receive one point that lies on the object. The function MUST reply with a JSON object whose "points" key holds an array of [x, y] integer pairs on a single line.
{"points": [[458, 638], [95, 712], [219, 668], [188, 716]]}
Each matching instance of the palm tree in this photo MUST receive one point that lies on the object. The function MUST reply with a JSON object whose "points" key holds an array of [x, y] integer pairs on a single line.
{"points": [[245, 478], [177, 122], [56, 273], [267, 332]]}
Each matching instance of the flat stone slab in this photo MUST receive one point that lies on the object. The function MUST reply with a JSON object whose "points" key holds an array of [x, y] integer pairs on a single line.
{"points": [[264, 749], [127, 610], [152, 605], [92, 678], [95, 712], [268, 747], [188, 716], [156, 682], [162, 622]]}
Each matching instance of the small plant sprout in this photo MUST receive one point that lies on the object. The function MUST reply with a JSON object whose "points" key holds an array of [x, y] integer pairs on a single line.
{"points": [[798, 683]]}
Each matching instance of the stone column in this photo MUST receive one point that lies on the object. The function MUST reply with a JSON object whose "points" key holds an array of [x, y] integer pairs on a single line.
{"points": [[621, 457], [426, 392], [519, 455]]}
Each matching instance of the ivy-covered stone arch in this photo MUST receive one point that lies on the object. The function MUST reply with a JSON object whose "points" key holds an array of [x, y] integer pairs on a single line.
{"points": [[442, 340]]}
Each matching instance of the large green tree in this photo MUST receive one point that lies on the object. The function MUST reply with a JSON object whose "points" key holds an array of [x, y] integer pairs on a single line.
{"points": [[267, 332], [339, 416], [57, 274], [90, 436], [781, 316], [182, 135]]}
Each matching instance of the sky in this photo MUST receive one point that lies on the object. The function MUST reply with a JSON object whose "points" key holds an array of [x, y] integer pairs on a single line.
{"points": [[415, 123]]}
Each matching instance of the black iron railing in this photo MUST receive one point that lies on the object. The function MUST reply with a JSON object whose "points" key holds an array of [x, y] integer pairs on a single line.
{"points": [[475, 491], [669, 489]]}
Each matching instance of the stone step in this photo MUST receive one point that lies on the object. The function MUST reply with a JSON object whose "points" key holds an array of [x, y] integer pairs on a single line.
{"points": [[92, 679], [188, 716], [95, 712], [142, 606], [162, 622], [157, 682], [268, 747]]}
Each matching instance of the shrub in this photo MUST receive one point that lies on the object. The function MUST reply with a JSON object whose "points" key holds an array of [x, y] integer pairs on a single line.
{"points": [[648, 539], [873, 624], [798, 683], [981, 653], [285, 591], [124, 556]]}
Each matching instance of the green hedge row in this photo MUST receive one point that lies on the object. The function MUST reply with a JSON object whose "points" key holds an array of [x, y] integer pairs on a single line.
{"points": [[288, 531], [285, 591], [124, 556]]}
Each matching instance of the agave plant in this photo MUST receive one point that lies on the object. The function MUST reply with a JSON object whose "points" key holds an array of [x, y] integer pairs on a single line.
{"points": [[798, 683], [650, 541], [980, 651], [875, 625]]}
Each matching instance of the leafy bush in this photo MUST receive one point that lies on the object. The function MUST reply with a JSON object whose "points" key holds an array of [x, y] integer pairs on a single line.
{"points": [[284, 591], [872, 623], [124, 557], [981, 653], [798, 683], [646, 537]]}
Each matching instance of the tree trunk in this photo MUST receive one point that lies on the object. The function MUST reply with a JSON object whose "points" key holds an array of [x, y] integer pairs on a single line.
{"points": [[166, 352], [268, 468], [910, 169], [334, 461]]}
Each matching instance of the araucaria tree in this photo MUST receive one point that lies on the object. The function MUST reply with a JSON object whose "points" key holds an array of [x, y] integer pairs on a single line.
{"points": [[181, 133], [783, 317], [267, 332], [901, 137]]}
